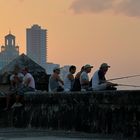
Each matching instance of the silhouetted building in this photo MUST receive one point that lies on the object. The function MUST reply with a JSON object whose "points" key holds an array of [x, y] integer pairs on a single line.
{"points": [[37, 44], [22, 61], [9, 51], [50, 66]]}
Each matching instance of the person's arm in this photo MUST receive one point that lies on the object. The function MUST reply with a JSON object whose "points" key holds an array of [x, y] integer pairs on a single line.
{"points": [[77, 75], [84, 80], [60, 80], [71, 77], [27, 81]]}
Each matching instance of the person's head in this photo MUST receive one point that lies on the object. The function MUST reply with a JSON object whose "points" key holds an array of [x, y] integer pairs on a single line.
{"points": [[88, 68], [72, 69], [25, 70], [15, 72], [82, 69], [16, 69], [104, 67], [56, 70]]}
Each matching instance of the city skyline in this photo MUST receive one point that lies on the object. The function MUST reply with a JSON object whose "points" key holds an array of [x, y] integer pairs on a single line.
{"points": [[80, 32]]}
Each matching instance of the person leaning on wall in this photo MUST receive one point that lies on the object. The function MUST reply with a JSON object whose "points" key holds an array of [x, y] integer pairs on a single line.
{"points": [[99, 81]]}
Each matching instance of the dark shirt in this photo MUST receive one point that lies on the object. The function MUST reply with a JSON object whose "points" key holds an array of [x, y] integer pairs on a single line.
{"points": [[101, 75], [76, 85]]}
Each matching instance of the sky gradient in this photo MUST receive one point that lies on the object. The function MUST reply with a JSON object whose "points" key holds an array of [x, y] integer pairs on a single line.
{"points": [[80, 31]]}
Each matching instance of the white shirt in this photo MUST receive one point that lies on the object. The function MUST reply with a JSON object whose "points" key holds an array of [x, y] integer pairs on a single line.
{"points": [[96, 81], [19, 83], [67, 83], [32, 81], [83, 77], [19, 75]]}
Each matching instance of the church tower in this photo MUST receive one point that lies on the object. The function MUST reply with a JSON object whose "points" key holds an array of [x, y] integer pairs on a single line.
{"points": [[9, 51]]}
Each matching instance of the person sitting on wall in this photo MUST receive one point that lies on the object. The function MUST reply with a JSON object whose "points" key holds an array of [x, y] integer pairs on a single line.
{"points": [[84, 78], [28, 84], [77, 85], [99, 81], [55, 82], [69, 79], [16, 80]]}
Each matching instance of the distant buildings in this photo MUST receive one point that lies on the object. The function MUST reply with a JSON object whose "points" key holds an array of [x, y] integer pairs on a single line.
{"points": [[64, 71], [50, 66], [36, 43], [36, 48], [8, 52], [36, 39]]}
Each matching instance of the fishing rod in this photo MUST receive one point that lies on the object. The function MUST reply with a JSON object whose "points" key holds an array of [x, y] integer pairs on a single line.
{"points": [[128, 85], [123, 77]]}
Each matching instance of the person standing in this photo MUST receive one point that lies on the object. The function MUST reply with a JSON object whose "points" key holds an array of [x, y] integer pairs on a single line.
{"points": [[99, 81], [84, 78], [69, 79]]}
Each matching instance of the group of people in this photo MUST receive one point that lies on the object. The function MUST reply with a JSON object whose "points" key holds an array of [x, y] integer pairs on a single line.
{"points": [[21, 81], [81, 81]]}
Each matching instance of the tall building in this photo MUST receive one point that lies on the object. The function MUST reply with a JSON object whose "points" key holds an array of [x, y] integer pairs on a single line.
{"points": [[9, 51], [37, 44]]}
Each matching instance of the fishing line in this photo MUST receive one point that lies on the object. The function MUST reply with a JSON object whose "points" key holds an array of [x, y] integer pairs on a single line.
{"points": [[128, 85], [123, 77]]}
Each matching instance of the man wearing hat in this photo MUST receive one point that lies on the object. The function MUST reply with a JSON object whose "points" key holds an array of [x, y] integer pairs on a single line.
{"points": [[84, 78], [99, 81]]}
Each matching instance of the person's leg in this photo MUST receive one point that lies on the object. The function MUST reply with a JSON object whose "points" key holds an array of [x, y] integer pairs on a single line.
{"points": [[17, 98], [20, 93], [9, 98]]}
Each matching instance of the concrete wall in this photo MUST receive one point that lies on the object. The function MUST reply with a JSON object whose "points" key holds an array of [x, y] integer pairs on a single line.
{"points": [[111, 112]]}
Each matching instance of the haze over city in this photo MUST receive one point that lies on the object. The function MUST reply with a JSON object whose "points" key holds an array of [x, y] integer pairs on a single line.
{"points": [[80, 31]]}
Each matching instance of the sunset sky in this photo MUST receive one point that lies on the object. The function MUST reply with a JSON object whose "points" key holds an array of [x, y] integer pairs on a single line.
{"points": [[80, 31]]}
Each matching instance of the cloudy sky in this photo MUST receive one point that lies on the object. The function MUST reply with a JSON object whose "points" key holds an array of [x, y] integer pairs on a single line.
{"points": [[80, 31]]}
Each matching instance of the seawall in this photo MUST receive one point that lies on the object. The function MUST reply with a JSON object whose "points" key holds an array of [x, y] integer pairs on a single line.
{"points": [[106, 112]]}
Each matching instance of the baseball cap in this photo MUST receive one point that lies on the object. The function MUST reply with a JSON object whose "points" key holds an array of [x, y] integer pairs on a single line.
{"points": [[104, 65], [88, 66], [56, 68]]}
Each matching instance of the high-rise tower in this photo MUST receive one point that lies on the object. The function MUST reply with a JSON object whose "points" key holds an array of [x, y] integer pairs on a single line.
{"points": [[36, 39]]}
